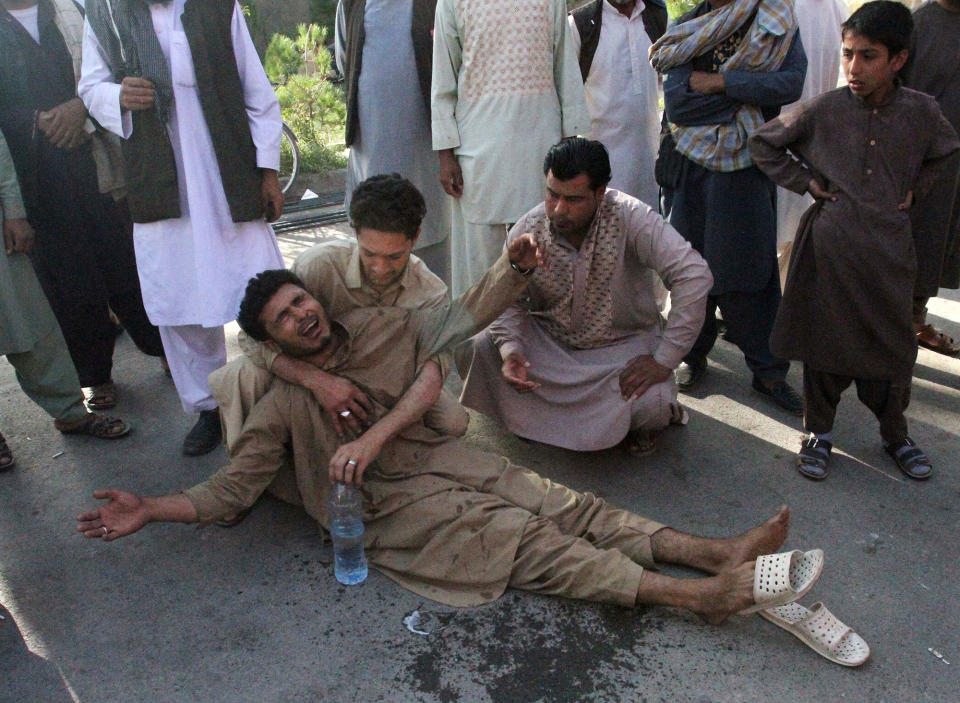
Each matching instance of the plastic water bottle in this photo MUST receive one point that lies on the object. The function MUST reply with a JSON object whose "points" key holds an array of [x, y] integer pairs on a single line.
{"points": [[345, 509]]}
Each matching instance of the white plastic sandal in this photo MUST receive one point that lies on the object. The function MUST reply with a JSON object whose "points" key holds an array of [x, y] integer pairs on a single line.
{"points": [[782, 578], [820, 630]]}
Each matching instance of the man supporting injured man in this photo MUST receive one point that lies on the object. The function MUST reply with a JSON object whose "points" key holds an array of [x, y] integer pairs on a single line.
{"points": [[449, 522]]}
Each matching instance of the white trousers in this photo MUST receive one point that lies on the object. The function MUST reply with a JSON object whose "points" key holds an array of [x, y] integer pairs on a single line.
{"points": [[473, 249], [193, 353]]}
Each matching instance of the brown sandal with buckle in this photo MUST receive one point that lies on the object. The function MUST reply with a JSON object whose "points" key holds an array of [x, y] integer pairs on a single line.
{"points": [[7, 461], [102, 396], [93, 425], [933, 339]]}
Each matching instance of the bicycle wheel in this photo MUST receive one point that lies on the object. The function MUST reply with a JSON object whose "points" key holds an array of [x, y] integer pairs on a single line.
{"points": [[289, 158]]}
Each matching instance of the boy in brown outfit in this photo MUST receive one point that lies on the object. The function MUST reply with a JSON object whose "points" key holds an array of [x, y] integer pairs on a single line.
{"points": [[864, 152]]}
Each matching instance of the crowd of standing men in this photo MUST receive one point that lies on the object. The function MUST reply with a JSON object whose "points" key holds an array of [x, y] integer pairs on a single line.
{"points": [[140, 166]]}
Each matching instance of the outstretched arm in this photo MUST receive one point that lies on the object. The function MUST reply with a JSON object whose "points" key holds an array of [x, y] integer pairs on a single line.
{"points": [[125, 513], [483, 302]]}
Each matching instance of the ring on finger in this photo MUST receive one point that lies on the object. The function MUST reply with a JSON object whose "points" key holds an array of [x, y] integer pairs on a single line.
{"points": [[345, 413], [352, 461], [105, 530]]}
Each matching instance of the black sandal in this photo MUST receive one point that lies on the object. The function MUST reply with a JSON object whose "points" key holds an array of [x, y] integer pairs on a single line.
{"points": [[913, 461], [813, 457], [7, 461]]}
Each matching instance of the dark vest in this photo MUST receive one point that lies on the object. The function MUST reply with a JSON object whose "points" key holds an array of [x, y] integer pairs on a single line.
{"points": [[421, 28], [151, 172], [33, 77], [588, 19]]}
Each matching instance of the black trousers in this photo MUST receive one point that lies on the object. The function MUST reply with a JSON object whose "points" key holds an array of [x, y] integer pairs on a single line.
{"points": [[887, 399], [749, 318], [85, 261], [730, 219]]}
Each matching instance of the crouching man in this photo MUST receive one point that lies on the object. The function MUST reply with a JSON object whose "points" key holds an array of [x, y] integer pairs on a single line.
{"points": [[584, 359]]}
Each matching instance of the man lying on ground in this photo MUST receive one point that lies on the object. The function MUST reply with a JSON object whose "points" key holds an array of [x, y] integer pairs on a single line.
{"points": [[449, 522]]}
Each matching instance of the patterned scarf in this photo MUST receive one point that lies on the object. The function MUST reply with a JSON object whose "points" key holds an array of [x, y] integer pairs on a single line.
{"points": [[69, 21], [124, 29], [723, 147], [587, 321]]}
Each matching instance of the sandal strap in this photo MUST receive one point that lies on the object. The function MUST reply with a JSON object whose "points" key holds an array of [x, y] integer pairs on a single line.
{"points": [[823, 626], [913, 457], [771, 576], [102, 425]]}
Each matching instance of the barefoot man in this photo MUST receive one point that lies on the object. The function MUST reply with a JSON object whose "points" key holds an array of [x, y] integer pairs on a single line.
{"points": [[447, 521]]}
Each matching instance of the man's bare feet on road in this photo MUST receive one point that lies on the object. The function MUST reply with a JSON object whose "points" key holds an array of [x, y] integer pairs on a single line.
{"points": [[725, 594], [762, 539]]}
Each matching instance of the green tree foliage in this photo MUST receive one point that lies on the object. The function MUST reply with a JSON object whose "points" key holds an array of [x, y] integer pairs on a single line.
{"points": [[323, 13], [675, 8], [311, 105]]}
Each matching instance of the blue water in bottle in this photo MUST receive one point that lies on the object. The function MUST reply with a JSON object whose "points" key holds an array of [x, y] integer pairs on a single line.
{"points": [[345, 508]]}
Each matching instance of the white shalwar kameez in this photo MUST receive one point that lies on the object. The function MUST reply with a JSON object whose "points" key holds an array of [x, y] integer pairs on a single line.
{"points": [[820, 22], [622, 93], [194, 269], [506, 87], [394, 124]]}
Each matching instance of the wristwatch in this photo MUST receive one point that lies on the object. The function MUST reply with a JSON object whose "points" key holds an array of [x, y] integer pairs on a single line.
{"points": [[522, 272]]}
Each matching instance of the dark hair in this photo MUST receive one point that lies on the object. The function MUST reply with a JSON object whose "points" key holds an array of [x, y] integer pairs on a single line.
{"points": [[571, 157], [389, 203], [883, 21], [259, 290]]}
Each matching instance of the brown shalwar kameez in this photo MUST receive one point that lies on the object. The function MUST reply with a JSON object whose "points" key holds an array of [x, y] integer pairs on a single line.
{"points": [[847, 308], [447, 521], [934, 68]]}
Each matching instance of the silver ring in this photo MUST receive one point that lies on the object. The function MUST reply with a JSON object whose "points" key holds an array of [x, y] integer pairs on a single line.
{"points": [[345, 413], [352, 461], [105, 530]]}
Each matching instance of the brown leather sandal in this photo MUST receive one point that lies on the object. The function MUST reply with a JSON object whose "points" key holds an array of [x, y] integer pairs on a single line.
{"points": [[94, 425], [102, 396], [933, 339], [7, 461]]}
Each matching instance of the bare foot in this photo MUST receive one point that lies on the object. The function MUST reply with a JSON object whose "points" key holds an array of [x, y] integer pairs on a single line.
{"points": [[725, 594], [762, 539]]}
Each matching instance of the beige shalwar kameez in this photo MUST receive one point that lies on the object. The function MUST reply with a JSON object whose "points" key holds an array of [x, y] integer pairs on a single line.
{"points": [[447, 521], [331, 273], [582, 319]]}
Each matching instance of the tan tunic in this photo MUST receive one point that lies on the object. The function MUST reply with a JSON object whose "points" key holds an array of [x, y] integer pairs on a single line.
{"points": [[847, 306], [331, 273], [449, 522]]}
